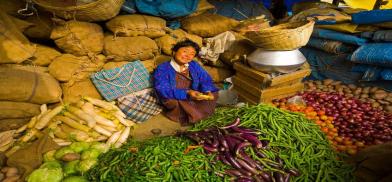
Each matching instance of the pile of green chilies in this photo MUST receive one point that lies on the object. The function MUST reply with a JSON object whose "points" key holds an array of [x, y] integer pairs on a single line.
{"points": [[159, 159], [298, 141]]}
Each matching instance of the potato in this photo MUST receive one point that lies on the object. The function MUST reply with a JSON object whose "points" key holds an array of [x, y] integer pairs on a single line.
{"points": [[349, 95], [358, 91], [380, 95], [373, 89], [325, 89], [310, 84], [318, 82], [12, 171], [4, 169], [336, 83], [389, 99], [388, 108], [348, 91], [383, 102], [327, 81], [2, 176], [366, 90], [352, 86], [70, 157], [375, 104], [365, 96], [11, 179]]}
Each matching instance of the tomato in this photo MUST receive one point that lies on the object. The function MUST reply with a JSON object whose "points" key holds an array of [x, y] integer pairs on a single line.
{"points": [[324, 118], [324, 129], [339, 139], [330, 138], [318, 122], [341, 147], [359, 144], [347, 142], [323, 124], [312, 114], [321, 113], [335, 130], [330, 126]]}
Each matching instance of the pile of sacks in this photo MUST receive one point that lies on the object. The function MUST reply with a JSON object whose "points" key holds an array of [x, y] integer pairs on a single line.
{"points": [[348, 44], [48, 60]]}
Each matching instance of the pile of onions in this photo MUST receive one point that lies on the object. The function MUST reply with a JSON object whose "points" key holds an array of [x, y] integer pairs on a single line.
{"points": [[354, 119]]}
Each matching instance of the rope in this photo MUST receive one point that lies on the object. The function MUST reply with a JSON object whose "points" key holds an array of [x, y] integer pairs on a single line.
{"points": [[116, 76]]}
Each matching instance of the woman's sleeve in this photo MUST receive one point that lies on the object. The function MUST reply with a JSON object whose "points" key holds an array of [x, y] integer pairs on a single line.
{"points": [[163, 87], [206, 82]]}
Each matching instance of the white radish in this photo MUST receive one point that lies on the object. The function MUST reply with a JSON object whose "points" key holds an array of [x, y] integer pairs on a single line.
{"points": [[12, 150], [44, 120], [100, 139], [102, 131], [89, 109], [70, 122], [5, 147], [43, 108], [100, 103], [123, 137], [72, 116], [82, 115], [32, 121], [58, 132], [113, 139], [122, 120], [111, 129], [29, 135], [21, 129], [120, 113]]}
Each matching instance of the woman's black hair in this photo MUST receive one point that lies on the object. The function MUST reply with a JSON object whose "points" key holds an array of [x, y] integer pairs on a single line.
{"points": [[186, 43]]}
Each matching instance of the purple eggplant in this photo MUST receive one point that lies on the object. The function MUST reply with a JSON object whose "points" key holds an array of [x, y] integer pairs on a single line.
{"points": [[244, 179], [246, 166], [265, 144], [278, 177], [245, 172], [236, 122], [222, 158], [243, 130], [232, 142], [247, 159], [294, 172], [252, 139], [232, 161], [273, 164], [240, 146], [258, 178], [260, 154], [259, 166], [210, 148], [287, 178], [215, 141], [223, 142], [279, 160], [233, 172], [266, 176]]}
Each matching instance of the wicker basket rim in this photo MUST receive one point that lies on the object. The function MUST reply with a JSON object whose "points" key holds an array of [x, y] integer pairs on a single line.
{"points": [[285, 26], [279, 31], [70, 8]]}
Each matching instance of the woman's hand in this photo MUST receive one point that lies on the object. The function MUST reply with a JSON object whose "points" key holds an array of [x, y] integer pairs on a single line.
{"points": [[194, 95]]}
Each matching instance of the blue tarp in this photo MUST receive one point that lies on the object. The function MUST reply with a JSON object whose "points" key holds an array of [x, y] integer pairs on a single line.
{"points": [[378, 54], [372, 17], [240, 9], [330, 46], [371, 73], [168, 9], [378, 36], [338, 36], [129, 7]]}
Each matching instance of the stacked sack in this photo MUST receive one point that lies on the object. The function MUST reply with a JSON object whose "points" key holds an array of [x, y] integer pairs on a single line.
{"points": [[348, 44]]}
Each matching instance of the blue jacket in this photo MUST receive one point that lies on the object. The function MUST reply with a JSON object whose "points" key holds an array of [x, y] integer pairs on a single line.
{"points": [[165, 81]]}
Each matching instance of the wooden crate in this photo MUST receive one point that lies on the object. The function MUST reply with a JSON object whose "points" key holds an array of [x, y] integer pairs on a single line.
{"points": [[263, 80], [252, 94]]}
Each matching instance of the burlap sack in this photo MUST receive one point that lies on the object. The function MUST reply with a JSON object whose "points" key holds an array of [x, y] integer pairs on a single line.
{"points": [[12, 124], [161, 59], [150, 65], [202, 7], [130, 48], [237, 51], [219, 74], [31, 68], [43, 56], [28, 86], [14, 46], [21, 24], [208, 25], [78, 38], [68, 67], [42, 26], [321, 14], [166, 42], [12, 7], [137, 25], [12, 110], [73, 92]]}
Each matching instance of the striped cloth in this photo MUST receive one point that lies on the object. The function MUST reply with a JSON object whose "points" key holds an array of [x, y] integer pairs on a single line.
{"points": [[118, 82], [140, 106]]}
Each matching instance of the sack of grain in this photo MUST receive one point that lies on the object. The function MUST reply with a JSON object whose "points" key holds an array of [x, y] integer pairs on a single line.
{"points": [[12, 7], [39, 69], [150, 65], [78, 38], [137, 25], [202, 7], [218, 74], [12, 110], [73, 92], [208, 25], [130, 48], [42, 25], [161, 59], [237, 51], [28, 86], [68, 67], [43, 56], [12, 124], [21, 24], [14, 46], [166, 42]]}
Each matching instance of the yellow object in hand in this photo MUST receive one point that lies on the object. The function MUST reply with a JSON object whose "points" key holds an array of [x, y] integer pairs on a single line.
{"points": [[206, 97], [366, 4]]}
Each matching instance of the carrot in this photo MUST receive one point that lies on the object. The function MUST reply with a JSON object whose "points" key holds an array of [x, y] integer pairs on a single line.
{"points": [[82, 115], [44, 120]]}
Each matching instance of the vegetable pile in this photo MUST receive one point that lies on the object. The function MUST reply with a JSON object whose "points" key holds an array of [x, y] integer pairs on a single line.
{"points": [[296, 140], [241, 149], [68, 163], [88, 120], [158, 159], [377, 97]]}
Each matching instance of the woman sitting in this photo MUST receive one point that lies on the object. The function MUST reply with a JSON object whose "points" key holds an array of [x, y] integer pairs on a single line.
{"points": [[184, 87]]}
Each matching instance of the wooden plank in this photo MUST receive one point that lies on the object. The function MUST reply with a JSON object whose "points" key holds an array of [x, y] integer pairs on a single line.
{"points": [[264, 85], [257, 75], [247, 97], [290, 76]]}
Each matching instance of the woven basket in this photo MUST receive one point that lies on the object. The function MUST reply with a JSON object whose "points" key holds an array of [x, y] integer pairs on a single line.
{"points": [[287, 36], [99, 10]]}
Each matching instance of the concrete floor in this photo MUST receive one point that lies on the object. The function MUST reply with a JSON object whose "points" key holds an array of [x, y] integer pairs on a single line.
{"points": [[167, 127]]}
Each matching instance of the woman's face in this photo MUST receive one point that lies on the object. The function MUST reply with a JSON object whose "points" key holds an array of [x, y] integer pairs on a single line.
{"points": [[184, 55]]}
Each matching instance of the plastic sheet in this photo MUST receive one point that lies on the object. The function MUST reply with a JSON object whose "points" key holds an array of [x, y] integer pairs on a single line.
{"points": [[379, 54], [338, 36]]}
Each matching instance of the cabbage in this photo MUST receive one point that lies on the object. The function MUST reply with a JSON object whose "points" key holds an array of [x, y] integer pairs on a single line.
{"points": [[71, 167], [51, 165], [102, 147], [49, 156], [61, 152], [85, 165], [90, 154], [75, 179], [46, 174], [79, 146]]}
